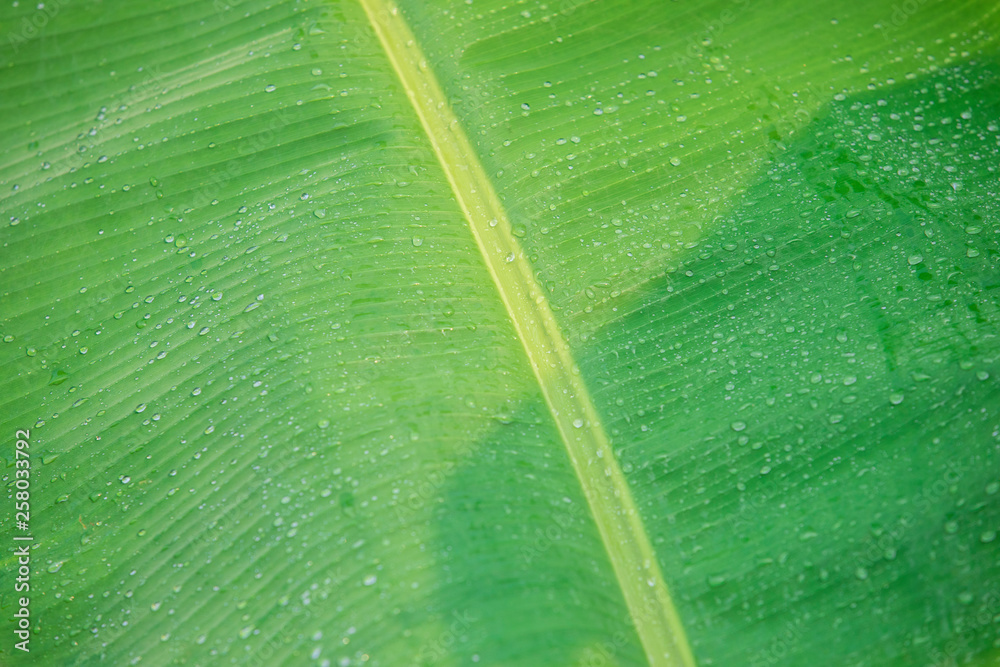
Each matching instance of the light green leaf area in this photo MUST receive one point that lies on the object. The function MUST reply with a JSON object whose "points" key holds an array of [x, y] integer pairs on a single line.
{"points": [[281, 414]]}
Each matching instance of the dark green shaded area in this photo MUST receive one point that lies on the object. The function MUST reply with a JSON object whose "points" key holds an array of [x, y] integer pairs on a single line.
{"points": [[807, 403], [520, 553]]}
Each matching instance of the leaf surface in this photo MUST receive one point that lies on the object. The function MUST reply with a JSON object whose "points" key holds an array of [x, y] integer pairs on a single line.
{"points": [[291, 400]]}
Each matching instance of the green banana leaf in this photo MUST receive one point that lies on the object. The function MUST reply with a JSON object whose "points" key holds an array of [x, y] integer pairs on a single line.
{"points": [[547, 332]]}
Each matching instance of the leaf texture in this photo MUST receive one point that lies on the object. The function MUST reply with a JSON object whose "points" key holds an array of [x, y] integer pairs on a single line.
{"points": [[283, 411]]}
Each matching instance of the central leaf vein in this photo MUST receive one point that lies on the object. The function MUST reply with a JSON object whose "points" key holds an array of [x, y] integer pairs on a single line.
{"points": [[604, 486]]}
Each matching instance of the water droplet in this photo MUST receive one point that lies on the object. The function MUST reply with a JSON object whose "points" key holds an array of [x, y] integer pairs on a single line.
{"points": [[676, 161], [417, 241], [270, 88], [370, 580], [896, 398], [738, 426]]}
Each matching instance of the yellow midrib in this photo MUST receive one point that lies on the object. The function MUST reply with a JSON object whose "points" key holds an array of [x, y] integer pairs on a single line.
{"points": [[604, 486]]}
